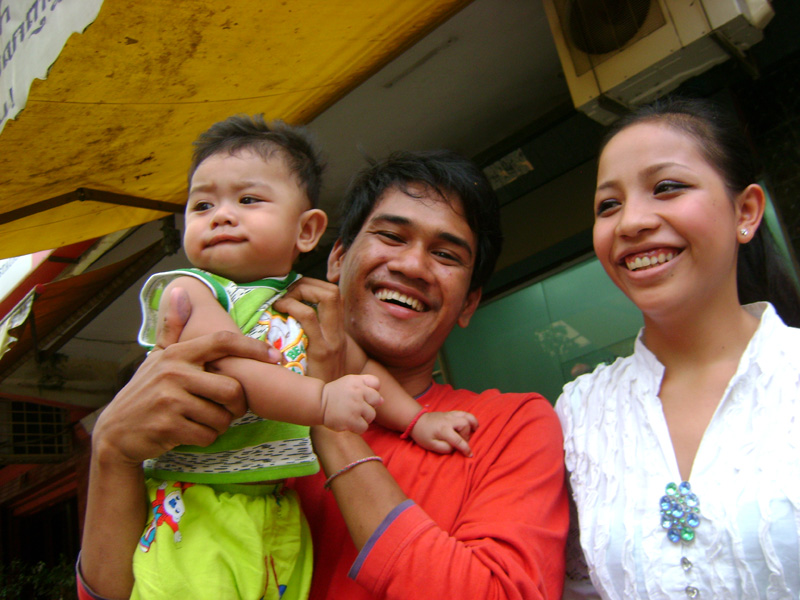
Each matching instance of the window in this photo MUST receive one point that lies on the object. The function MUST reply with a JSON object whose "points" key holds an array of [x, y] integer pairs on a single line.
{"points": [[542, 336]]}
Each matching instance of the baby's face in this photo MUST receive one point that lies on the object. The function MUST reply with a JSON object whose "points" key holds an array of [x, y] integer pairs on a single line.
{"points": [[243, 217]]}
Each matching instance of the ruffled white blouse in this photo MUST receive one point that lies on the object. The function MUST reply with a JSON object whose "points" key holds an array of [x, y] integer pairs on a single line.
{"points": [[746, 478]]}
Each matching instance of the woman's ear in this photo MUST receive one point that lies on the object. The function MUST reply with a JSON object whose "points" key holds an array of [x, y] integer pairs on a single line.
{"points": [[312, 225], [749, 212]]}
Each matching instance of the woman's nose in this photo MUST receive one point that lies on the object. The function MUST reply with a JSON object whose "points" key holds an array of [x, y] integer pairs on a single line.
{"points": [[636, 216]]}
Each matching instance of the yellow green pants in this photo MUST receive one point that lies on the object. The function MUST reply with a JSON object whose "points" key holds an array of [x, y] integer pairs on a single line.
{"points": [[227, 541]]}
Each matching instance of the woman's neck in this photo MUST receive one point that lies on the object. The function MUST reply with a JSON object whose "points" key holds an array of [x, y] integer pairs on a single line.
{"points": [[693, 338]]}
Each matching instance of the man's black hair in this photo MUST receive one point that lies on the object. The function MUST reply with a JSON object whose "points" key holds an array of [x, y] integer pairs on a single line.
{"points": [[450, 176]]}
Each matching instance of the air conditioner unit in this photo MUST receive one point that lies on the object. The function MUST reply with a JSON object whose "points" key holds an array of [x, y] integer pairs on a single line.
{"points": [[617, 54]]}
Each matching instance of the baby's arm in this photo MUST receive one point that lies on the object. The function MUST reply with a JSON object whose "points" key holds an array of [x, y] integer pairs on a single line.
{"points": [[437, 431], [274, 392]]}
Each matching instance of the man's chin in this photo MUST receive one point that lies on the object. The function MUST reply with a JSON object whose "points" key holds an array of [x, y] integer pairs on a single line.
{"points": [[388, 350]]}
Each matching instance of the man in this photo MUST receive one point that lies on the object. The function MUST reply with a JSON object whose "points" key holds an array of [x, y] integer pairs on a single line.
{"points": [[419, 238]]}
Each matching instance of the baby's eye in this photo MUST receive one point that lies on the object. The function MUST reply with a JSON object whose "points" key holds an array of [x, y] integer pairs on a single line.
{"points": [[249, 200], [668, 187], [201, 206], [604, 206]]}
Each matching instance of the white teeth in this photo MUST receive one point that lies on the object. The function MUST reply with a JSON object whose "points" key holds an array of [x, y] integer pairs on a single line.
{"points": [[641, 262], [412, 303]]}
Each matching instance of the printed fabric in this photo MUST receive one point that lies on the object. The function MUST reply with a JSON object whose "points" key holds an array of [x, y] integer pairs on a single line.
{"points": [[252, 449]]}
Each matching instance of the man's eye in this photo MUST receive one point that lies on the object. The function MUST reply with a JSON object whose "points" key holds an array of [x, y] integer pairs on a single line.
{"points": [[448, 256], [390, 236]]}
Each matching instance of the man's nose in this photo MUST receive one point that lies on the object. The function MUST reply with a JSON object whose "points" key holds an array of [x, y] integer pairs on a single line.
{"points": [[412, 260]]}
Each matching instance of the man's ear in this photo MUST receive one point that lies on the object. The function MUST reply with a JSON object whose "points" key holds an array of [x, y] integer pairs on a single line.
{"points": [[470, 306], [750, 206], [335, 259], [312, 225]]}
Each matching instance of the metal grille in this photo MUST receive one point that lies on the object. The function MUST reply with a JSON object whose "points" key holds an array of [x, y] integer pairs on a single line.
{"points": [[597, 29], [33, 433]]}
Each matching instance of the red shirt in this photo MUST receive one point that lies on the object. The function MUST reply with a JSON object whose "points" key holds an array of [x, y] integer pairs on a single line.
{"points": [[489, 526]]}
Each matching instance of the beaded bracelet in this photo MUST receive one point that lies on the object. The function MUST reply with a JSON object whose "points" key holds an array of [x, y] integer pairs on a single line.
{"points": [[407, 433], [355, 463]]}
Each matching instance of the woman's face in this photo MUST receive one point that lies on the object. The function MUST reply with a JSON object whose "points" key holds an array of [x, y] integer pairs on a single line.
{"points": [[665, 226]]}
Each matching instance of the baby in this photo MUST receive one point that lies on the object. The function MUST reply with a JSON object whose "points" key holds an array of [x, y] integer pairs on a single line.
{"points": [[233, 530]]}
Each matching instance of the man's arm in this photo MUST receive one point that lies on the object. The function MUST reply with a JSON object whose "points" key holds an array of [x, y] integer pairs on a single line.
{"points": [[170, 400], [324, 326], [440, 432], [510, 518], [272, 391], [509, 539]]}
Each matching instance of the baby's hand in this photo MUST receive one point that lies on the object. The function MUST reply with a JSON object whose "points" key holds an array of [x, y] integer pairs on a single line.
{"points": [[443, 432], [348, 402]]}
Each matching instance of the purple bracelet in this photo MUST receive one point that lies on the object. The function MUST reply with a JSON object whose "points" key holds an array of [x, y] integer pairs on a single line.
{"points": [[355, 463]]}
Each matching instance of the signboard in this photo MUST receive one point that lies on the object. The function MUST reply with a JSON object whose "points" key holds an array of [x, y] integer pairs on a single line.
{"points": [[32, 34]]}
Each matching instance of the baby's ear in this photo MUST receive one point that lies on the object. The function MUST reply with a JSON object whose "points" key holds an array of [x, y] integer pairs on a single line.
{"points": [[312, 225]]}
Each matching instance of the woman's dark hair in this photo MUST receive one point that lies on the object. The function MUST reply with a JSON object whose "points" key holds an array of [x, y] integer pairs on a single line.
{"points": [[449, 175], [243, 132], [761, 272]]}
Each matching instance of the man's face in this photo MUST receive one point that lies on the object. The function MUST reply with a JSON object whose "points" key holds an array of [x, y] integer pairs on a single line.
{"points": [[404, 281]]}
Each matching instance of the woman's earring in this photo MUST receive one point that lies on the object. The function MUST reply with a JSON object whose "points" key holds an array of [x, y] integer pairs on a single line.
{"points": [[744, 231]]}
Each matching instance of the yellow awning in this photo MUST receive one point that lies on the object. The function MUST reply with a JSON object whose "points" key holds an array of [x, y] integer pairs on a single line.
{"points": [[106, 138]]}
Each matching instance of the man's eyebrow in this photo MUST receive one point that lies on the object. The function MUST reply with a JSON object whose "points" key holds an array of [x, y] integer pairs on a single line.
{"points": [[390, 218], [443, 235]]}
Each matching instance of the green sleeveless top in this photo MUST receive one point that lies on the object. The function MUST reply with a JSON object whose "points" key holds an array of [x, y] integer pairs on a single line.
{"points": [[252, 449]]}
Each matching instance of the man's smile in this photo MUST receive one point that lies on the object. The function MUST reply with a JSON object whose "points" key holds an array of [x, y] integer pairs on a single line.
{"points": [[395, 297]]}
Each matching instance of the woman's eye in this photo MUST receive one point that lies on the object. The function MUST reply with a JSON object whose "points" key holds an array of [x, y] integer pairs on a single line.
{"points": [[605, 206], [668, 187]]}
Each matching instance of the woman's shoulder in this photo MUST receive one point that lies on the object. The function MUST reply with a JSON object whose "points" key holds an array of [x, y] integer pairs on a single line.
{"points": [[605, 378], [777, 345]]}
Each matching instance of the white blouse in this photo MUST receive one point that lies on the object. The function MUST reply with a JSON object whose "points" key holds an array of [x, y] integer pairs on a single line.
{"points": [[746, 477]]}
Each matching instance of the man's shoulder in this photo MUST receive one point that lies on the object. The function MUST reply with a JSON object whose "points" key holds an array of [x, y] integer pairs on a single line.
{"points": [[448, 394], [492, 405]]}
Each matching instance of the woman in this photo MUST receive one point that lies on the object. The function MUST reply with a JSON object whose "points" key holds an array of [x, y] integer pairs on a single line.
{"points": [[684, 458]]}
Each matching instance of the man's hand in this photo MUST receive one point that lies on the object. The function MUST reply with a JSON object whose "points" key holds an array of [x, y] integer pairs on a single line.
{"points": [[317, 307], [443, 432], [171, 399], [348, 402]]}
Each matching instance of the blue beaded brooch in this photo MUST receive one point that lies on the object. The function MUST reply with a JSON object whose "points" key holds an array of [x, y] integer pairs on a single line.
{"points": [[680, 512]]}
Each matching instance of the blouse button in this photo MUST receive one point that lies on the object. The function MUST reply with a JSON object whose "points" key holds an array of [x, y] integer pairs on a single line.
{"points": [[692, 592], [686, 564]]}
